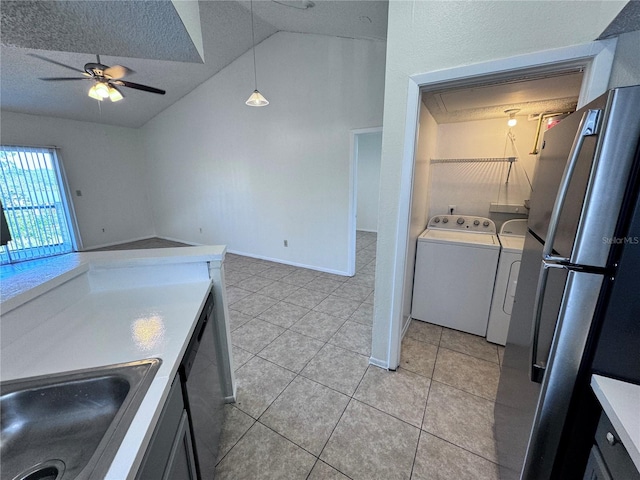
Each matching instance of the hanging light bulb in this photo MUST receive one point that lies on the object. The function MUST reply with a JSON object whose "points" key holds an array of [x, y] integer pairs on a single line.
{"points": [[512, 122], [256, 99]]}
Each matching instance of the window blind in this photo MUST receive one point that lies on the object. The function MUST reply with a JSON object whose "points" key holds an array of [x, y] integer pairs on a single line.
{"points": [[34, 203]]}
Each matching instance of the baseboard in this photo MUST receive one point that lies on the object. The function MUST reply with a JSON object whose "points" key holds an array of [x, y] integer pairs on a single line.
{"points": [[179, 240], [376, 362], [293, 264], [111, 244]]}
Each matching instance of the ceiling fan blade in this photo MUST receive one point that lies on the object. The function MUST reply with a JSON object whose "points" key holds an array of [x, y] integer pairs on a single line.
{"points": [[57, 79], [137, 86], [117, 71], [55, 63]]}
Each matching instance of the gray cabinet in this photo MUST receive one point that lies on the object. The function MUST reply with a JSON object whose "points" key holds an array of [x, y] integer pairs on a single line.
{"points": [[181, 463], [170, 451], [609, 460], [596, 468]]}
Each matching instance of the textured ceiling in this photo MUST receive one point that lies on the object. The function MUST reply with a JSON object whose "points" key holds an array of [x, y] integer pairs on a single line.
{"points": [[628, 20], [142, 30], [151, 51], [531, 95]]}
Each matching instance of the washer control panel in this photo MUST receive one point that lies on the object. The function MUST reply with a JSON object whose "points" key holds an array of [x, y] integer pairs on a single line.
{"points": [[463, 222]]}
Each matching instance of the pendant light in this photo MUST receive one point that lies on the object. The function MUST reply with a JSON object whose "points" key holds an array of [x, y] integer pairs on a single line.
{"points": [[256, 99]]}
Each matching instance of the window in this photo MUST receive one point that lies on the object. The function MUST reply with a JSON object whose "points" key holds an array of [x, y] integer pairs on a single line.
{"points": [[34, 204]]}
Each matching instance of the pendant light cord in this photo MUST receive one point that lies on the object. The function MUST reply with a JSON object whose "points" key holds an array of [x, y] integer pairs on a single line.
{"points": [[253, 39]]}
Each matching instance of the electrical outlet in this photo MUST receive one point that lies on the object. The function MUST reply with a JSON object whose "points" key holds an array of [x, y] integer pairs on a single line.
{"points": [[200, 229], [78, 193], [103, 230], [452, 208], [286, 243]]}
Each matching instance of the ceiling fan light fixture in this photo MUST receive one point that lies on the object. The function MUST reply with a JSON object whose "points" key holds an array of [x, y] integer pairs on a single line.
{"points": [[102, 89], [257, 100], [93, 94], [114, 94]]}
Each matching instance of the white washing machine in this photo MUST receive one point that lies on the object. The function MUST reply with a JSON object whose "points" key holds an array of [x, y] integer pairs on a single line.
{"points": [[456, 263], [511, 237]]}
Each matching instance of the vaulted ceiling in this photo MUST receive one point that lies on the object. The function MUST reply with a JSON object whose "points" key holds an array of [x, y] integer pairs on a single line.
{"points": [[156, 40], [176, 45]]}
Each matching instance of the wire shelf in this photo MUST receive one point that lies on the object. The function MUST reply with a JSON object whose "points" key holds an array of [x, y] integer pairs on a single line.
{"points": [[475, 160]]}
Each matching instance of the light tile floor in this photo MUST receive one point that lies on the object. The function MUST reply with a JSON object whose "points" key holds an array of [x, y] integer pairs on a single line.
{"points": [[311, 407]]}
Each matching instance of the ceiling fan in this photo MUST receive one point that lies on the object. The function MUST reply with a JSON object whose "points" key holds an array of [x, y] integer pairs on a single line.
{"points": [[106, 80]]}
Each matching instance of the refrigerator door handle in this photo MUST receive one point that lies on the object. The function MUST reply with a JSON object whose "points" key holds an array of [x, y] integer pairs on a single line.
{"points": [[538, 368], [589, 125]]}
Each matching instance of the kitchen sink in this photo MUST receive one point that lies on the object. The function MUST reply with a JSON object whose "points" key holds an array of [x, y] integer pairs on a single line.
{"points": [[69, 425]]}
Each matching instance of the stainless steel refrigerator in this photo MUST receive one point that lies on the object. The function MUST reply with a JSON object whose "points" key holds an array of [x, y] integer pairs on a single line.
{"points": [[583, 204]]}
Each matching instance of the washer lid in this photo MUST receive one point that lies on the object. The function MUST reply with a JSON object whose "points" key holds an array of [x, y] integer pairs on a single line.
{"points": [[517, 226], [512, 243], [460, 238]]}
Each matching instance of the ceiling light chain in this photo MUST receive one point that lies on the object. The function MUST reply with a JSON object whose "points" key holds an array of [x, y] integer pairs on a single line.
{"points": [[253, 42]]}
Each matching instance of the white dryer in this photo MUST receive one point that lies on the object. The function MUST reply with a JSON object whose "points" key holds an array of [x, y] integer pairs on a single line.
{"points": [[456, 263], [511, 237]]}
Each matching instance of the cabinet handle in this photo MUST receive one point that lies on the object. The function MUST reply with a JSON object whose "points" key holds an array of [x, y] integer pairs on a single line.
{"points": [[611, 439]]}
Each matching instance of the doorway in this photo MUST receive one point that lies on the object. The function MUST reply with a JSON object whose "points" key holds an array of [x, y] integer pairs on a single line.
{"points": [[366, 153], [596, 58]]}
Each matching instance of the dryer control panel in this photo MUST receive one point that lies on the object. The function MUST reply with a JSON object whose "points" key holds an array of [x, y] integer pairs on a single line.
{"points": [[463, 223]]}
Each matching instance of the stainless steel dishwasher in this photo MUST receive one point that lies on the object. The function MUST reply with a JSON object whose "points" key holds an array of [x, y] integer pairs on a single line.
{"points": [[202, 391]]}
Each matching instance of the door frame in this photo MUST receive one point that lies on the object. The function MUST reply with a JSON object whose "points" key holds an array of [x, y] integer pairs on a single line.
{"points": [[597, 57], [353, 193]]}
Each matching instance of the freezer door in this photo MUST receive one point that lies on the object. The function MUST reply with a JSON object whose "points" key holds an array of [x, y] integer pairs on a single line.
{"points": [[590, 190], [517, 394], [556, 149]]}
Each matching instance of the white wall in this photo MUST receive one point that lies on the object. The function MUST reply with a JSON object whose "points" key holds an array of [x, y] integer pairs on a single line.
{"points": [[253, 177], [429, 36], [368, 179], [472, 186], [426, 149], [626, 63], [104, 162]]}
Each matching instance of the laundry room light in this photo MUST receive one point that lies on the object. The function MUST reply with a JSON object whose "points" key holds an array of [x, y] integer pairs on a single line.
{"points": [[512, 122], [256, 99]]}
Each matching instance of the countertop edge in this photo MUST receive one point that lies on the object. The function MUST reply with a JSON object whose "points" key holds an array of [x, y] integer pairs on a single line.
{"points": [[112, 259], [621, 402]]}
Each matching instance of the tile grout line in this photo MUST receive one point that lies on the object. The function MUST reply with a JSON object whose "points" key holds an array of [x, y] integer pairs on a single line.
{"points": [[299, 374], [462, 448], [342, 415], [424, 413]]}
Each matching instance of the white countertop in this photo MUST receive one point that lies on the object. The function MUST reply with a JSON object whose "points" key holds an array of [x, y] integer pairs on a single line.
{"points": [[621, 402], [107, 308]]}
